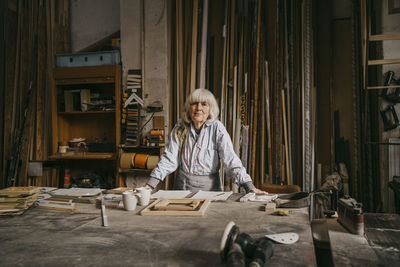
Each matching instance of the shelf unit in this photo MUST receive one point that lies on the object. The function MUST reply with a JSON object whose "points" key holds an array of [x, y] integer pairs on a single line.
{"points": [[367, 37], [150, 150], [93, 125]]}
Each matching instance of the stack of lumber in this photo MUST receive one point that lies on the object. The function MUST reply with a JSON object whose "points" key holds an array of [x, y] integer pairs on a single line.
{"points": [[15, 200]]}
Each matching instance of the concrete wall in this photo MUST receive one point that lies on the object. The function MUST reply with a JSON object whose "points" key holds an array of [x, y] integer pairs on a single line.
{"points": [[131, 34], [145, 44], [156, 53], [92, 21]]}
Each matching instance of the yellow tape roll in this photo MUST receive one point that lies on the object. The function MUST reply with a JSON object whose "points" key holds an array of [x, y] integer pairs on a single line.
{"points": [[125, 161], [152, 162], [140, 161], [156, 132]]}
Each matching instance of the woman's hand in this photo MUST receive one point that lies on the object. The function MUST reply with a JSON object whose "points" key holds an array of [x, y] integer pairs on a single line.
{"points": [[258, 191]]}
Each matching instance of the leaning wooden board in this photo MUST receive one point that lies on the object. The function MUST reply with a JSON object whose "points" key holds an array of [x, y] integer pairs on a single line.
{"points": [[199, 211]]}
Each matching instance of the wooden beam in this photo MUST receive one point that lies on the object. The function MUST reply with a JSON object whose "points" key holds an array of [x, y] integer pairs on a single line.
{"points": [[383, 37], [383, 61], [382, 87], [257, 69], [204, 45], [194, 46]]}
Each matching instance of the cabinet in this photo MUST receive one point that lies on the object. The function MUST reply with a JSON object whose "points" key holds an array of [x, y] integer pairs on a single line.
{"points": [[86, 104]]}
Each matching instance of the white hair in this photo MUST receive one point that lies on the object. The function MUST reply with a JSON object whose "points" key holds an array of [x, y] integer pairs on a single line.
{"points": [[201, 95]]}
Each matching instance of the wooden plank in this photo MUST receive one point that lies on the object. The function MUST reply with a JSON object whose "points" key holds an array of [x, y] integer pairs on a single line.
{"points": [[268, 118], [263, 132], [149, 210], [383, 37], [204, 45], [194, 46], [288, 178], [364, 41], [382, 87], [383, 61], [254, 145], [84, 155]]}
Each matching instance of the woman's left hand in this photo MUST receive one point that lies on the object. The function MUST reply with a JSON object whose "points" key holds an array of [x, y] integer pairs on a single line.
{"points": [[258, 191]]}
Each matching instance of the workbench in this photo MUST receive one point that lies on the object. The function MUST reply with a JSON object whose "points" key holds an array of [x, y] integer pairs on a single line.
{"points": [[56, 238], [379, 246]]}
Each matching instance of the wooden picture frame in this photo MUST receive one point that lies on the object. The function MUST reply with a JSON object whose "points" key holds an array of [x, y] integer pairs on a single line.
{"points": [[393, 6], [176, 207]]}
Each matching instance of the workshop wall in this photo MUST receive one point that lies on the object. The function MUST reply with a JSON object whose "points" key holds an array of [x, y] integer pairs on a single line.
{"points": [[92, 21]]}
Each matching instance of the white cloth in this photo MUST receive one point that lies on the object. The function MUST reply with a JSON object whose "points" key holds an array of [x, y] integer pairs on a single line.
{"points": [[200, 154]]}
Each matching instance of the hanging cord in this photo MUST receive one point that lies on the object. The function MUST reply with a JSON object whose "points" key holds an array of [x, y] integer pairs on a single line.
{"points": [[152, 115]]}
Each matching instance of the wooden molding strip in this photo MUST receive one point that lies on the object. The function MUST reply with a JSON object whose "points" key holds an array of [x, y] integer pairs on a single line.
{"points": [[383, 37], [382, 87], [383, 61]]}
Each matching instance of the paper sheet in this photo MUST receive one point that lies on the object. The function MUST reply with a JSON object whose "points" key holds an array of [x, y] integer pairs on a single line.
{"points": [[213, 195], [263, 198], [170, 194]]}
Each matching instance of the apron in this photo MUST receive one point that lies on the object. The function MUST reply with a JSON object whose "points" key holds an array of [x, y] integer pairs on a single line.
{"points": [[194, 183]]}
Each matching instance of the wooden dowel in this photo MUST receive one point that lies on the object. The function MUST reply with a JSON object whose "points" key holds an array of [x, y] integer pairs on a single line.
{"points": [[286, 137]]}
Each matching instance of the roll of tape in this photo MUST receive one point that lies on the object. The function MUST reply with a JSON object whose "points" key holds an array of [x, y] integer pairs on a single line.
{"points": [[152, 162], [141, 160], [125, 161], [156, 132], [133, 160]]}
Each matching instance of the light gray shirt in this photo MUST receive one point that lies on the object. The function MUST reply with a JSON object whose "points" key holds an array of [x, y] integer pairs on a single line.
{"points": [[200, 154]]}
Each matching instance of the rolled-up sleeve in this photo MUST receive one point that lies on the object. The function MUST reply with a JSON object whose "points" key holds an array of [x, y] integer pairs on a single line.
{"points": [[169, 160], [231, 162]]}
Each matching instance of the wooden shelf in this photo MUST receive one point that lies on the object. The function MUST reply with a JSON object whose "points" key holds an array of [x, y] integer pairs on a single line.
{"points": [[383, 61], [87, 112], [382, 87], [383, 37], [84, 155], [136, 171]]}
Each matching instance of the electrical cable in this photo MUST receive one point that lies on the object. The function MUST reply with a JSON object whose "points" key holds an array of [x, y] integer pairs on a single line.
{"points": [[152, 115]]}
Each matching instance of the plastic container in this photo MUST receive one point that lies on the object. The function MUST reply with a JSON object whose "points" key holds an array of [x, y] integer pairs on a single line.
{"points": [[88, 59]]}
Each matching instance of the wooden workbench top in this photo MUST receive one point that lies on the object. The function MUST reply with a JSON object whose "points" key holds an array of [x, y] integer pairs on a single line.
{"points": [[60, 238]]}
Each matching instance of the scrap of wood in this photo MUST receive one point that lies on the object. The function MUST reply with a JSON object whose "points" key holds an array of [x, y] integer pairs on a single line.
{"points": [[60, 205], [150, 211], [270, 207]]}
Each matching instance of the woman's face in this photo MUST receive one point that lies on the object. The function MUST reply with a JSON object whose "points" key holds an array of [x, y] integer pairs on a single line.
{"points": [[199, 112]]}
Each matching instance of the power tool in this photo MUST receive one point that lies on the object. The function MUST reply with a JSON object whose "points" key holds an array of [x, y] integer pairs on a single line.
{"points": [[351, 215], [238, 248]]}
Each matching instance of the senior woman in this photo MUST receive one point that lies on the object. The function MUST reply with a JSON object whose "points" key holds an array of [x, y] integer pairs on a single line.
{"points": [[196, 145]]}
